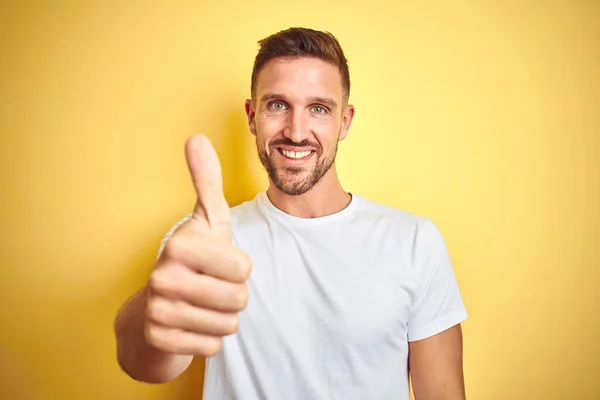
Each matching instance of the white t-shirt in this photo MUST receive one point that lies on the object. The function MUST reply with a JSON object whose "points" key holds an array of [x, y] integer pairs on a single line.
{"points": [[333, 303]]}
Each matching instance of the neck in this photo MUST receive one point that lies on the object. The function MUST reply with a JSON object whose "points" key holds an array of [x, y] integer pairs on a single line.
{"points": [[325, 198]]}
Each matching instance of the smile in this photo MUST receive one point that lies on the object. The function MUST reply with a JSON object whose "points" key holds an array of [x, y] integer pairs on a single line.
{"points": [[295, 155]]}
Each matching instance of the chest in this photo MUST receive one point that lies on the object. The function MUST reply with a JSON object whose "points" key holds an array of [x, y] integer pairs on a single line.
{"points": [[329, 288]]}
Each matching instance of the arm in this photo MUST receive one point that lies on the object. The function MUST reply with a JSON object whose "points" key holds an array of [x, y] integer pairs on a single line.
{"points": [[135, 356], [434, 332], [436, 366], [196, 289]]}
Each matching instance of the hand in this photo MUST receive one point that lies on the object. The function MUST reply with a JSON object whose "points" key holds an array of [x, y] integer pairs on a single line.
{"points": [[197, 287]]}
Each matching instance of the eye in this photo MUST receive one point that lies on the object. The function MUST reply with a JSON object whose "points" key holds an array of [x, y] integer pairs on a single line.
{"points": [[319, 109], [278, 106]]}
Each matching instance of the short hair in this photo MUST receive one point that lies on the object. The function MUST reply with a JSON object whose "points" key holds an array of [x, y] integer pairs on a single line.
{"points": [[302, 42]]}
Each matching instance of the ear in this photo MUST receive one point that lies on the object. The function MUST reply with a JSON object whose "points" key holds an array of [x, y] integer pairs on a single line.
{"points": [[251, 113], [347, 116]]}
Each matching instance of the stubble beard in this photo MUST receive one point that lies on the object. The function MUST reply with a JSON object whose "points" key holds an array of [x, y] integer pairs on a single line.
{"points": [[295, 181]]}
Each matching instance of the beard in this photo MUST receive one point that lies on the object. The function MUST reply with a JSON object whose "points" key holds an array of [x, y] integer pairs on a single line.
{"points": [[295, 181]]}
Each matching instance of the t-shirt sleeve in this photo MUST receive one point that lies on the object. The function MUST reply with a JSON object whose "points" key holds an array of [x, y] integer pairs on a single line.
{"points": [[438, 303], [168, 235]]}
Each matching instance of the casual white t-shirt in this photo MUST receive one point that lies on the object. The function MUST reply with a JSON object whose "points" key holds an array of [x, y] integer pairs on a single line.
{"points": [[333, 303]]}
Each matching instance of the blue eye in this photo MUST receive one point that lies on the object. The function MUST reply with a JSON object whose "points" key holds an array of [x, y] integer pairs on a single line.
{"points": [[319, 109]]}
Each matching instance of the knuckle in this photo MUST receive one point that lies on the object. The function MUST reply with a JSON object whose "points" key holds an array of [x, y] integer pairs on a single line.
{"points": [[176, 246], [157, 310], [153, 311], [169, 280], [213, 346], [232, 324], [240, 299], [243, 265], [154, 337], [246, 265], [160, 280]]}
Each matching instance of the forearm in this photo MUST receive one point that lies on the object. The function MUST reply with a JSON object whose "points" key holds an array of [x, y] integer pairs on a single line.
{"points": [[135, 356]]}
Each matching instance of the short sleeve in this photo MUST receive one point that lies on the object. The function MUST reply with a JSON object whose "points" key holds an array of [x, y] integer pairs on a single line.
{"points": [[438, 303], [164, 241]]}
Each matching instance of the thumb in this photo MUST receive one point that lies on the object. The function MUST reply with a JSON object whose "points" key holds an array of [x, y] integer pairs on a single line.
{"points": [[207, 177]]}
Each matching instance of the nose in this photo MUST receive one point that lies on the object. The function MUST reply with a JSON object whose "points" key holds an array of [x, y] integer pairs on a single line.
{"points": [[296, 128]]}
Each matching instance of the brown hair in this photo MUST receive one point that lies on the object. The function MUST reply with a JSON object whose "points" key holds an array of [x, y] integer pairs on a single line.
{"points": [[302, 42]]}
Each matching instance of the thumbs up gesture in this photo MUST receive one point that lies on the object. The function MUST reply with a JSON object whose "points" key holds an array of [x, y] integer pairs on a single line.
{"points": [[197, 287]]}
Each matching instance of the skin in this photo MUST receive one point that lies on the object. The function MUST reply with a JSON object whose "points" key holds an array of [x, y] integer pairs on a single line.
{"points": [[436, 366], [198, 284], [299, 105], [195, 290]]}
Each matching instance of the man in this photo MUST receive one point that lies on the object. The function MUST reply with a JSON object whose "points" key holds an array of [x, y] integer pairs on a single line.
{"points": [[307, 291]]}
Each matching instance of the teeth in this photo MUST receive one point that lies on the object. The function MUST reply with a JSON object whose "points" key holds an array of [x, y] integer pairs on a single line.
{"points": [[295, 154]]}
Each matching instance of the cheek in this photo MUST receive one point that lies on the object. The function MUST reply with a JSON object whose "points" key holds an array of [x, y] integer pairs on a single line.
{"points": [[263, 137], [267, 127], [270, 121], [327, 135]]}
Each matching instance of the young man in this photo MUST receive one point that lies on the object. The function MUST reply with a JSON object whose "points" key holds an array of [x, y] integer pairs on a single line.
{"points": [[307, 291]]}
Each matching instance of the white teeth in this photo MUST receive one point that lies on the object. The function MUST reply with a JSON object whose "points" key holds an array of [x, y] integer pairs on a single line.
{"points": [[295, 154]]}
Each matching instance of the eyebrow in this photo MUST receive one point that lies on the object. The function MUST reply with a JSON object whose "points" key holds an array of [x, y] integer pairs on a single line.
{"points": [[329, 102]]}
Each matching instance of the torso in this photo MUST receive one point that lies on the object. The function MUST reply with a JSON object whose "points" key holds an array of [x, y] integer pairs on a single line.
{"points": [[329, 301]]}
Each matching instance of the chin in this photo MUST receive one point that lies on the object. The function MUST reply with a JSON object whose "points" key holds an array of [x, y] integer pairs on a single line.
{"points": [[294, 190], [293, 185]]}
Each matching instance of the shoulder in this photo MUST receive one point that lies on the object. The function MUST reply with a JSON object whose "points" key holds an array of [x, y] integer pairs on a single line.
{"points": [[368, 209], [422, 232]]}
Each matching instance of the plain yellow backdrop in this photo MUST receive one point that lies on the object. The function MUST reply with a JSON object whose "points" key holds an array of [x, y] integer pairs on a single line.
{"points": [[483, 116]]}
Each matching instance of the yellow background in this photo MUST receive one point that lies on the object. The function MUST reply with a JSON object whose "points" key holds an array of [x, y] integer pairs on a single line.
{"points": [[483, 116]]}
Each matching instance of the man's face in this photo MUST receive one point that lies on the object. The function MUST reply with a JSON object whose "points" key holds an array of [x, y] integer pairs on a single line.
{"points": [[298, 118]]}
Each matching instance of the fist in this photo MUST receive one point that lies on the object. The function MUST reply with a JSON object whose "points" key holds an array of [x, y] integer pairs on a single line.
{"points": [[197, 288]]}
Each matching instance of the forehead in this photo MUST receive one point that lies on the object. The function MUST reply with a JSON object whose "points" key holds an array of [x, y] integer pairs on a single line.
{"points": [[301, 77]]}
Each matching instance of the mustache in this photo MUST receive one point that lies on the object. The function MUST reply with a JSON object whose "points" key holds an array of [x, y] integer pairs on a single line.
{"points": [[289, 142]]}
